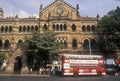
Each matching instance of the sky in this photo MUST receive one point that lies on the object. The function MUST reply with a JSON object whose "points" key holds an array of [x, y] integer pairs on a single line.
{"points": [[26, 8]]}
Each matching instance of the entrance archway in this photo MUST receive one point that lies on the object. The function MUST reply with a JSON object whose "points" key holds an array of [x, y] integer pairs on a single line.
{"points": [[17, 65]]}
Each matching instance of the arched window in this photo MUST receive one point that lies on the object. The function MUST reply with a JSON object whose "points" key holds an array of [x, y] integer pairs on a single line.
{"points": [[36, 28], [20, 29], [6, 29], [19, 42], [28, 28], [65, 27], [86, 44], [93, 28], [7, 44], [74, 43], [53, 27], [93, 44], [61, 27], [24, 29], [57, 27], [32, 28], [0, 43], [73, 28], [88, 28], [65, 44], [10, 29], [45, 27], [83, 28], [61, 41], [2, 29]]}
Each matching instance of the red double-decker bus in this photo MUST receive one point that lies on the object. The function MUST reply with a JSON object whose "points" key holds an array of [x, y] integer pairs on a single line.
{"points": [[83, 65]]}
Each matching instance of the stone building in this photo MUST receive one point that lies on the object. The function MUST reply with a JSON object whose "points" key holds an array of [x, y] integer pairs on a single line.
{"points": [[77, 32]]}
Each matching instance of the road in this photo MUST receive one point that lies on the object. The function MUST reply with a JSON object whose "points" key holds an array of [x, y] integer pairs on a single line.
{"points": [[58, 78]]}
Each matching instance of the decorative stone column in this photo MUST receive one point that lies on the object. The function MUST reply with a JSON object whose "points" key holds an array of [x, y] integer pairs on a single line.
{"points": [[25, 69], [10, 68]]}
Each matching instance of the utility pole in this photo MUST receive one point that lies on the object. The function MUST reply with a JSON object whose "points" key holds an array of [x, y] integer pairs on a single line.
{"points": [[89, 46]]}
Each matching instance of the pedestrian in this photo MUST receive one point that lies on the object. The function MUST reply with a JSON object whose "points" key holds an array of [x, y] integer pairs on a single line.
{"points": [[30, 70], [116, 73], [40, 71], [53, 71]]}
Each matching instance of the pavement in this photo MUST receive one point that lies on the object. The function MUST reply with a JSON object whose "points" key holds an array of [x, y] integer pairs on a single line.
{"points": [[24, 75]]}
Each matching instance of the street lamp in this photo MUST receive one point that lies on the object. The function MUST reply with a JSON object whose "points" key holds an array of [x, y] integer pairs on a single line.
{"points": [[89, 46]]}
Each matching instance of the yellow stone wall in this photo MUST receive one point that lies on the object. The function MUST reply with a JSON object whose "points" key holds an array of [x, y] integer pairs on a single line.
{"points": [[49, 17]]}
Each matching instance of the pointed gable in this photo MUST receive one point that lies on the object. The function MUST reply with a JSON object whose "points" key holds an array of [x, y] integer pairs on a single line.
{"points": [[58, 8]]}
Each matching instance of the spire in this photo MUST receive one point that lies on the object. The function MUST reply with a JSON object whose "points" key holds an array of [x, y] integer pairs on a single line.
{"points": [[1, 12], [16, 16], [98, 17], [1, 9], [77, 8], [40, 7]]}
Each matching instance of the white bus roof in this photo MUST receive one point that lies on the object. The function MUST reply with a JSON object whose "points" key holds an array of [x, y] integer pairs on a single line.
{"points": [[82, 56]]}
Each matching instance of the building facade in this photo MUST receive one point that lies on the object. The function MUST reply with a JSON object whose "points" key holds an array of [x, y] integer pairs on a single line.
{"points": [[77, 32]]}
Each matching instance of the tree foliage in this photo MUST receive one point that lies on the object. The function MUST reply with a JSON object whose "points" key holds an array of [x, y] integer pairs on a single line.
{"points": [[42, 45], [109, 32], [2, 57]]}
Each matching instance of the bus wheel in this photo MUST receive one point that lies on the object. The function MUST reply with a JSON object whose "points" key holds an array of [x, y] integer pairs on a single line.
{"points": [[75, 74], [99, 74]]}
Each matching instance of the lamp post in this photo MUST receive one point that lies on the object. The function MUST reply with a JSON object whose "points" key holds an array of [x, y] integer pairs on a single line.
{"points": [[89, 46]]}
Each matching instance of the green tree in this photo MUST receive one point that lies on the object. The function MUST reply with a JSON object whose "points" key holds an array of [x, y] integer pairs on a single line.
{"points": [[2, 57], [42, 46], [109, 33]]}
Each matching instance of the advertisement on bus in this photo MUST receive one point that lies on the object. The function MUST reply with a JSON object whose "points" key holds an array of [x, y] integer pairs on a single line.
{"points": [[83, 65]]}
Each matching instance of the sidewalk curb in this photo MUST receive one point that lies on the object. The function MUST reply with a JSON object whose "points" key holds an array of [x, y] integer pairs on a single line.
{"points": [[36, 75]]}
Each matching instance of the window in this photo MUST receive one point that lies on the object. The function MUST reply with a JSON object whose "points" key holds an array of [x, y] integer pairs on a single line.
{"points": [[65, 27], [28, 28], [65, 44], [20, 29], [88, 28], [53, 26], [32, 28], [74, 43], [7, 44], [0, 43], [2, 29], [57, 27], [6, 29], [10, 29], [19, 42], [36, 28], [86, 44], [45, 27], [73, 28], [24, 29], [83, 28], [61, 27], [93, 28]]}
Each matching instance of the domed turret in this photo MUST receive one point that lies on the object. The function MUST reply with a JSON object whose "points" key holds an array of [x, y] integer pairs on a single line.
{"points": [[1, 12]]}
